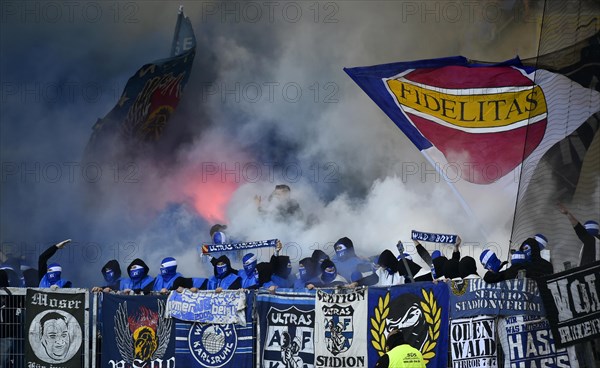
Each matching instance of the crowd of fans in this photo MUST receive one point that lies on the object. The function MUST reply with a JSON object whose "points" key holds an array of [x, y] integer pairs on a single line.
{"points": [[345, 268]]}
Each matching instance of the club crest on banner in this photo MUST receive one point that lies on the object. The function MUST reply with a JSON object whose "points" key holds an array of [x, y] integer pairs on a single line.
{"points": [[289, 331], [339, 331], [419, 319], [144, 335], [212, 345]]}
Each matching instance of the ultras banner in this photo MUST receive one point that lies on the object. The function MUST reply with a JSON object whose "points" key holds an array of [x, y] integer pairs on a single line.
{"points": [[341, 329], [286, 329]]}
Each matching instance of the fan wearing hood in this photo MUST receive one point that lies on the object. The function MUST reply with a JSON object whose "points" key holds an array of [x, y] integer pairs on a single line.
{"points": [[346, 260], [165, 281], [282, 276], [249, 274], [50, 275], [387, 273], [307, 273], [588, 233], [224, 277], [418, 273], [518, 262], [467, 268], [329, 276], [138, 281], [111, 272], [536, 265]]}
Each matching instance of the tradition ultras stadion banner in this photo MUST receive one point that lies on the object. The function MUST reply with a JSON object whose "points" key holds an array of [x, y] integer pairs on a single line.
{"points": [[135, 332], [573, 304], [286, 329], [54, 329], [227, 306], [512, 297], [473, 342], [527, 342], [210, 344], [419, 310], [341, 329]]}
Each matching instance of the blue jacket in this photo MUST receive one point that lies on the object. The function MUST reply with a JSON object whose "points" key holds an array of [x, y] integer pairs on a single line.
{"points": [[228, 282], [142, 284], [160, 283]]}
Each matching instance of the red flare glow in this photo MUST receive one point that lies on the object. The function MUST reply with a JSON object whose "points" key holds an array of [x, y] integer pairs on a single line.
{"points": [[210, 196]]}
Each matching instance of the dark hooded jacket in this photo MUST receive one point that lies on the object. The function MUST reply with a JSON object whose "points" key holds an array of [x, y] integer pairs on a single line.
{"points": [[311, 273], [114, 265], [349, 263], [265, 271], [228, 280], [451, 269], [467, 266], [318, 256], [339, 280], [440, 264], [414, 269], [282, 276], [388, 260], [142, 285], [537, 266]]}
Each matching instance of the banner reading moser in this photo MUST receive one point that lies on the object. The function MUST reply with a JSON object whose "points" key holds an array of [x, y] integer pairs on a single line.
{"points": [[54, 329], [572, 304]]}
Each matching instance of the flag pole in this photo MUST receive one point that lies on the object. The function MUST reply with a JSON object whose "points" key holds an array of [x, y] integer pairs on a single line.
{"points": [[461, 200], [177, 28]]}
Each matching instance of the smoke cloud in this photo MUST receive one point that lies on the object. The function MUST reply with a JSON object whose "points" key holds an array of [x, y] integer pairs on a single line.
{"points": [[267, 103]]}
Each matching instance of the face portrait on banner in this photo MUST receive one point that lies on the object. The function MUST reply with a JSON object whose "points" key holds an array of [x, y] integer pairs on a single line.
{"points": [[55, 336]]}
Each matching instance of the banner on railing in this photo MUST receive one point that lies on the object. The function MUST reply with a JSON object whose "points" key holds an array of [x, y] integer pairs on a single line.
{"points": [[225, 307], [286, 329], [476, 297], [473, 342], [527, 342], [419, 310], [216, 345], [136, 333], [55, 329], [341, 329], [573, 304]]}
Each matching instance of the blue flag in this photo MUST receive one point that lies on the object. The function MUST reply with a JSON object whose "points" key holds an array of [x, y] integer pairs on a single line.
{"points": [[149, 98], [419, 310], [216, 345], [286, 325], [135, 333]]}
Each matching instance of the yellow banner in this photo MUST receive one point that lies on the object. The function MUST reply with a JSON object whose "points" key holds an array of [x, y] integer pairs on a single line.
{"points": [[493, 109]]}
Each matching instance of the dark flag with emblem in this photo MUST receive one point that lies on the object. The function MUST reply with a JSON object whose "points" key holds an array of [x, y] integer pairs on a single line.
{"points": [[54, 329], [149, 98], [419, 311], [135, 333]]}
